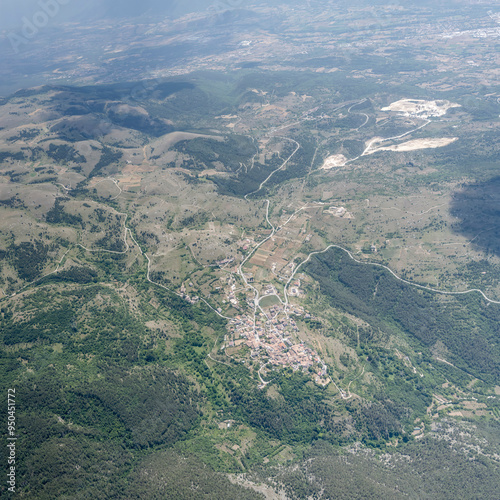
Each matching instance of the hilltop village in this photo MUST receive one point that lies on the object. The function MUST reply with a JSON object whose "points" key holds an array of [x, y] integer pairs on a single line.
{"points": [[271, 333]]}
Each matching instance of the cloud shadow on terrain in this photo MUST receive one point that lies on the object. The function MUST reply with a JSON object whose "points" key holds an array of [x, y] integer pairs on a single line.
{"points": [[477, 208]]}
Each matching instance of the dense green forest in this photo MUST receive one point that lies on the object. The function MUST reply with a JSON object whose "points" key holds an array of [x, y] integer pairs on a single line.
{"points": [[108, 407], [108, 156], [101, 394], [63, 153], [28, 258], [230, 151], [463, 323], [247, 180]]}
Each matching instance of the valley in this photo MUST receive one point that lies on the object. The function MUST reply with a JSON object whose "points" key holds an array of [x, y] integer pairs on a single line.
{"points": [[267, 267]]}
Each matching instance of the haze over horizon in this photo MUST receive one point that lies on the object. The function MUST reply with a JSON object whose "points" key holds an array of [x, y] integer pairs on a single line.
{"points": [[72, 11]]}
